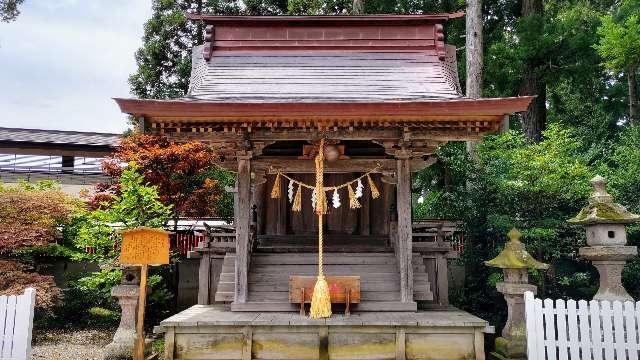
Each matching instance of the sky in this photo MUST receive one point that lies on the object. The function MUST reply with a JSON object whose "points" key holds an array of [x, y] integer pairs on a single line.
{"points": [[62, 62]]}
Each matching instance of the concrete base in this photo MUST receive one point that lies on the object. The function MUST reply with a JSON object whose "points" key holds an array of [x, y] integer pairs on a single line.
{"points": [[210, 332]]}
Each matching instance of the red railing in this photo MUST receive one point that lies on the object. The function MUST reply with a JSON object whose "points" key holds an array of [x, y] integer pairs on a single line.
{"points": [[185, 242]]}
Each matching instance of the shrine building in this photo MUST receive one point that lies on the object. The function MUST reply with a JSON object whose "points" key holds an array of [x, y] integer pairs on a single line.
{"points": [[380, 93]]}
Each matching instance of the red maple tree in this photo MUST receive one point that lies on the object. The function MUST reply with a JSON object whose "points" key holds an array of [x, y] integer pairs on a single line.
{"points": [[183, 172], [30, 218]]}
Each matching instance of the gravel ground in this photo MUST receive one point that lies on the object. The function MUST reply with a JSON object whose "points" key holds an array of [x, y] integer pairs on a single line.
{"points": [[70, 345]]}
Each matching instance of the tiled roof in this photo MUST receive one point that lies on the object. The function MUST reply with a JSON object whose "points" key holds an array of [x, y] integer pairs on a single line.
{"points": [[59, 137]]}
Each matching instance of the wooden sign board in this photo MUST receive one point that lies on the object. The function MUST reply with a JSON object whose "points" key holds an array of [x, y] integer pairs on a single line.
{"points": [[144, 246]]}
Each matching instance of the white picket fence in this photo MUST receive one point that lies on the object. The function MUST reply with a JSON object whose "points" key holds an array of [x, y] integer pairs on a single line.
{"points": [[16, 323], [582, 330]]}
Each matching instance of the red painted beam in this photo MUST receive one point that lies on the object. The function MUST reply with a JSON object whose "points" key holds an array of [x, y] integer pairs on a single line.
{"points": [[364, 20]]}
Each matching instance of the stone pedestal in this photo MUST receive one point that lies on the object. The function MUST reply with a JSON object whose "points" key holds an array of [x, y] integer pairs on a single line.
{"points": [[610, 260], [513, 342], [121, 347]]}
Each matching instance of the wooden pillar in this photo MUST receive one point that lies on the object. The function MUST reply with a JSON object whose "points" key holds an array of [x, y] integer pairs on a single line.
{"points": [[243, 218], [388, 200], [258, 200], [442, 270], [283, 209], [365, 214], [204, 277], [405, 244]]}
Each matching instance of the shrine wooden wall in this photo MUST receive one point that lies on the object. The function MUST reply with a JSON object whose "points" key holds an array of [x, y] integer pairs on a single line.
{"points": [[371, 219]]}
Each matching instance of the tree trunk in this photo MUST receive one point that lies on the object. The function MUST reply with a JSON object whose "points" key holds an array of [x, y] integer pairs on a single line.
{"points": [[474, 51], [474, 56], [534, 121], [634, 103]]}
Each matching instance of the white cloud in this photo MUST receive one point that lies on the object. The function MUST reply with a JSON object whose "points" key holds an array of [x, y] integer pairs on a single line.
{"points": [[61, 63]]}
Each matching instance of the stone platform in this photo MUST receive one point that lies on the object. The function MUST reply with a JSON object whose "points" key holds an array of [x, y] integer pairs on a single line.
{"points": [[214, 332]]}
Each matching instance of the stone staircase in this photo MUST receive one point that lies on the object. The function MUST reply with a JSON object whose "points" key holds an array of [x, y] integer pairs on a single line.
{"points": [[269, 279]]}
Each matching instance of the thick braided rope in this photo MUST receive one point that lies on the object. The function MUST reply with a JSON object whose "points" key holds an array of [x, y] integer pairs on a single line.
{"points": [[320, 203], [320, 246]]}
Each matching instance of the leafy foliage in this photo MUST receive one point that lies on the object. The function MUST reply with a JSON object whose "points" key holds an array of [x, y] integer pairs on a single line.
{"points": [[535, 187], [9, 9], [619, 43], [16, 277], [137, 204], [88, 299], [31, 214], [30, 217], [185, 174]]}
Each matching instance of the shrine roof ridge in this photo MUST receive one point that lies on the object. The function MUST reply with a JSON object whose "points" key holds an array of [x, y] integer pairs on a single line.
{"points": [[360, 20]]}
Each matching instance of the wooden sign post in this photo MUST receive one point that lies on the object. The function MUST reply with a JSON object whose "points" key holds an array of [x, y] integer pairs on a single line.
{"points": [[142, 247]]}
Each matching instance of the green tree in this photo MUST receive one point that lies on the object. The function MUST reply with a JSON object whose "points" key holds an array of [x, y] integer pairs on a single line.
{"points": [[555, 47], [92, 235], [533, 186], [137, 204], [619, 47], [9, 9]]}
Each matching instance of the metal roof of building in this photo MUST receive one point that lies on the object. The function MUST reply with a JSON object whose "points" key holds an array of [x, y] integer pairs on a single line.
{"points": [[60, 137], [324, 76]]}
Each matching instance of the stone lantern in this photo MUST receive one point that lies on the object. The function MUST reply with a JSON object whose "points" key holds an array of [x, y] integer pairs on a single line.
{"points": [[127, 293], [514, 260], [605, 223]]}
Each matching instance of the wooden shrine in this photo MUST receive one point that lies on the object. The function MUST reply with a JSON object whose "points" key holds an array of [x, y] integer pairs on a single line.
{"points": [[383, 92]]}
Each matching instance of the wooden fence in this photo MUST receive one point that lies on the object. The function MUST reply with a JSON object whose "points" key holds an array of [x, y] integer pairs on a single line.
{"points": [[16, 323], [582, 330]]}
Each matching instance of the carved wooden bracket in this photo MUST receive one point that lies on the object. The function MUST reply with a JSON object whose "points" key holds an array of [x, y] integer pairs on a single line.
{"points": [[259, 176], [440, 46], [207, 50]]}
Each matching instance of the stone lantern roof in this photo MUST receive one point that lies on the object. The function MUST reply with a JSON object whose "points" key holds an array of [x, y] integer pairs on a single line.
{"points": [[601, 208], [515, 256]]}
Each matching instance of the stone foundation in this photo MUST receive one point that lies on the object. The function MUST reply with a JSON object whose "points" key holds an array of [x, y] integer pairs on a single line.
{"points": [[201, 333]]}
